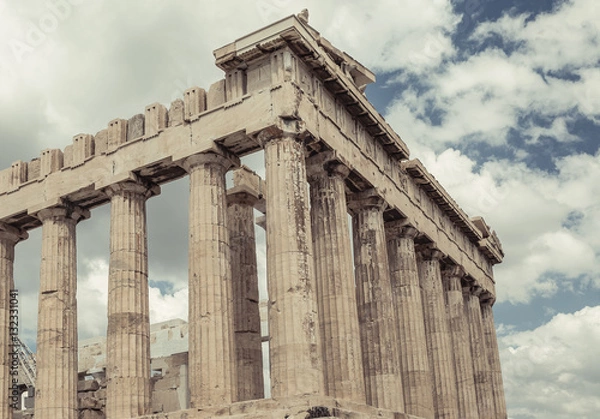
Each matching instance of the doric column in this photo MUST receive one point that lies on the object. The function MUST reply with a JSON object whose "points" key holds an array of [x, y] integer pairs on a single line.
{"points": [[9, 237], [244, 274], [128, 334], [376, 314], [493, 357], [56, 358], [406, 290], [336, 293], [295, 355], [212, 377], [439, 342], [463, 363], [483, 381]]}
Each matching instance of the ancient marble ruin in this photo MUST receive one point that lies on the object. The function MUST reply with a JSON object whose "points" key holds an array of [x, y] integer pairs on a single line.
{"points": [[392, 321]]}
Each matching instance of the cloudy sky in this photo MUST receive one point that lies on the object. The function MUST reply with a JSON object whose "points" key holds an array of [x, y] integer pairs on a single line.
{"points": [[499, 98]]}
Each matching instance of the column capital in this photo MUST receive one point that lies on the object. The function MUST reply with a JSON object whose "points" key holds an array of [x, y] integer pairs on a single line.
{"points": [[473, 289], [242, 196], [285, 128], [369, 198], [12, 234], [220, 158], [452, 277], [66, 210], [248, 188], [430, 252], [486, 298], [331, 169], [454, 271], [137, 186], [402, 229], [326, 163]]}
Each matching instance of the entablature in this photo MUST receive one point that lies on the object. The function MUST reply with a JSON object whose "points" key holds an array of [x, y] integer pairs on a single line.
{"points": [[341, 75], [439, 195]]}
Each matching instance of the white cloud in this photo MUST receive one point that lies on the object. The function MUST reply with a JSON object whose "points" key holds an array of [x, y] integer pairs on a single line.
{"points": [[411, 35], [165, 307], [92, 298], [483, 97], [558, 130], [531, 209], [557, 40], [551, 372]]}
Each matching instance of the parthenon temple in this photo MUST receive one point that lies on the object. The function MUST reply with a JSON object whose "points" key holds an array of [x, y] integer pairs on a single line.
{"points": [[380, 287]]}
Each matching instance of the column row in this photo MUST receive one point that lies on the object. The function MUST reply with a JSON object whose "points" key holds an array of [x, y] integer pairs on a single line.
{"points": [[395, 333], [421, 338]]}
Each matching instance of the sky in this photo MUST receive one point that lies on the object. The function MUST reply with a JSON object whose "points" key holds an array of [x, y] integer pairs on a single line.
{"points": [[499, 99]]}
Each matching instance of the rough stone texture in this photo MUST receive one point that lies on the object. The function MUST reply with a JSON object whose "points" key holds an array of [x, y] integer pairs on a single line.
{"points": [[303, 407], [169, 390], [336, 293], [135, 127], [216, 94], [439, 341], [51, 161], [293, 322], [56, 360], [376, 314], [461, 348], [176, 113], [128, 335], [83, 148], [68, 156], [101, 141], [194, 102], [211, 351], [34, 169], [9, 237], [18, 174], [246, 316], [406, 290], [235, 84], [483, 380], [493, 357], [117, 133], [155, 119], [168, 338], [91, 414]]}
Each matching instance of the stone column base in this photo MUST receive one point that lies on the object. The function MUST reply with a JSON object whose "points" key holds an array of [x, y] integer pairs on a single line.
{"points": [[293, 408]]}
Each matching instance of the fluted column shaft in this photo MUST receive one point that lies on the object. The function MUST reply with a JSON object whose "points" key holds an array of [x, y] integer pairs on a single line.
{"points": [[376, 314], [463, 363], [56, 358], [336, 293], [9, 237], [483, 381], [439, 341], [406, 290], [246, 316], [128, 333], [493, 357], [295, 356], [212, 379]]}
